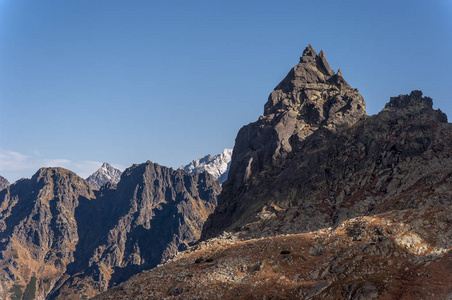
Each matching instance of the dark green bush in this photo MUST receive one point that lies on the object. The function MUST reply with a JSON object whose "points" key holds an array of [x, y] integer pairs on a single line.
{"points": [[209, 260], [30, 290], [16, 291], [285, 252]]}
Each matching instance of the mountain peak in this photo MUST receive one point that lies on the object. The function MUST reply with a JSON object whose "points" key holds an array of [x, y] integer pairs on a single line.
{"points": [[106, 173], [315, 95], [315, 148], [48, 172], [310, 98], [309, 54], [4, 183], [218, 165]]}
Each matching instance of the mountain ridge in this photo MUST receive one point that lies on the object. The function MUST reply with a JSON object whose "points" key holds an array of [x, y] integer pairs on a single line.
{"points": [[65, 239]]}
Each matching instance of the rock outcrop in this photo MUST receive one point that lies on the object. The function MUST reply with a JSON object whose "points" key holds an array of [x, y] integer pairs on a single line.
{"points": [[67, 240], [218, 165], [106, 173], [4, 183]]}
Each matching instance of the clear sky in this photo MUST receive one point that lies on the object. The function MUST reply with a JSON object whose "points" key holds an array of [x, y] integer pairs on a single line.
{"points": [[87, 81]]}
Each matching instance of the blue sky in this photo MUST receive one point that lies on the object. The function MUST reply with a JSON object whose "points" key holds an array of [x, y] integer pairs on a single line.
{"points": [[82, 82]]}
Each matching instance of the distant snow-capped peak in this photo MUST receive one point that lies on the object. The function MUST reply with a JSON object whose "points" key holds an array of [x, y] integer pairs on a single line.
{"points": [[217, 165], [106, 173]]}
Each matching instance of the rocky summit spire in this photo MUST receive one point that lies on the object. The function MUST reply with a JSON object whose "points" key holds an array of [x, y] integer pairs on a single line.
{"points": [[310, 98], [316, 94], [309, 54]]}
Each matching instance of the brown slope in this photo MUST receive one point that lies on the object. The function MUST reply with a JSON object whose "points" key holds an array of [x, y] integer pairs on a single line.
{"points": [[395, 255]]}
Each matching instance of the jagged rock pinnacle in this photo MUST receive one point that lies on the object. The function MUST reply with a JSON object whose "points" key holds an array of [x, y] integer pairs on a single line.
{"points": [[309, 54], [316, 94], [316, 152], [309, 98]]}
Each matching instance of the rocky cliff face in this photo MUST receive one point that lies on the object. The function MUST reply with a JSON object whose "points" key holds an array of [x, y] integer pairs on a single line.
{"points": [[4, 183], [377, 164], [63, 240], [218, 165], [38, 231], [310, 98], [106, 173], [152, 214]]}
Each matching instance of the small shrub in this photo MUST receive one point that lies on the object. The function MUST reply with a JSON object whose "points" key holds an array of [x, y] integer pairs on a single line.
{"points": [[198, 260], [285, 252], [30, 290], [209, 260], [16, 291]]}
